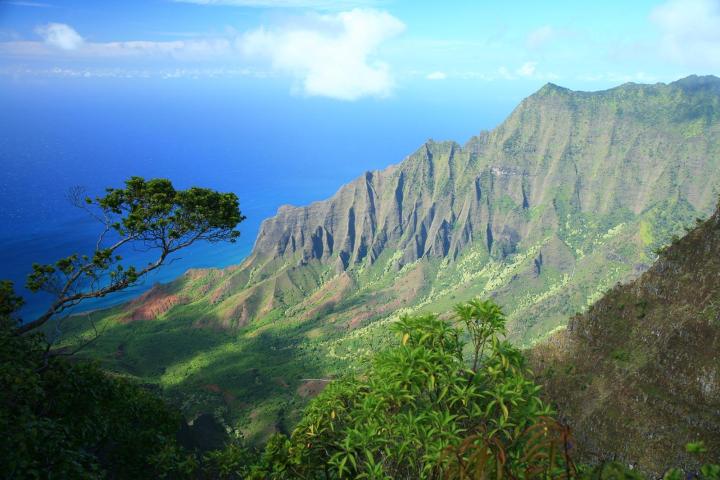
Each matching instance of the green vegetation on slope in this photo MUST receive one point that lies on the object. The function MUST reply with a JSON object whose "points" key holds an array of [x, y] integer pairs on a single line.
{"points": [[399, 418], [61, 419], [573, 193], [642, 362], [422, 409]]}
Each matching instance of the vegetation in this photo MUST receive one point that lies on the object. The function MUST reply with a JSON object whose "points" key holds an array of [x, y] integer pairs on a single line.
{"points": [[149, 214], [71, 420], [251, 344], [421, 410], [407, 415], [643, 361], [570, 195], [65, 419]]}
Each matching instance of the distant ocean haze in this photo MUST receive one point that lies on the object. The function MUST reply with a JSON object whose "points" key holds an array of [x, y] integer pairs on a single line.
{"points": [[250, 138]]}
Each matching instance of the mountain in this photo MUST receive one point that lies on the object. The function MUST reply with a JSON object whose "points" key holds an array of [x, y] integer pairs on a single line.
{"points": [[571, 194], [638, 375]]}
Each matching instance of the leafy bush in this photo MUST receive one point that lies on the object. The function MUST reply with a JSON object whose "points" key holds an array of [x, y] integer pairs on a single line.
{"points": [[65, 419], [419, 408]]}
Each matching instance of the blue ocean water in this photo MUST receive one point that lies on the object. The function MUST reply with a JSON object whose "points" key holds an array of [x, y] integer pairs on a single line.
{"points": [[248, 136]]}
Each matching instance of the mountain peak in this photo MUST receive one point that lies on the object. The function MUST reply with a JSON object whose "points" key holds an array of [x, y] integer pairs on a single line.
{"points": [[698, 82], [690, 83], [552, 88], [571, 182]]}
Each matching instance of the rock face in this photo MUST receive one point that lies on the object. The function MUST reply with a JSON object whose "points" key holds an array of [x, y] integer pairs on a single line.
{"points": [[567, 181], [638, 375], [571, 194]]}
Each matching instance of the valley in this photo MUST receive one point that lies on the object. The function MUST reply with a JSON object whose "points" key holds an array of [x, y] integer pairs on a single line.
{"points": [[571, 194]]}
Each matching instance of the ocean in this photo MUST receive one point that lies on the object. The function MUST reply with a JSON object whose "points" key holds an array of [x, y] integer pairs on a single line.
{"points": [[248, 136]]}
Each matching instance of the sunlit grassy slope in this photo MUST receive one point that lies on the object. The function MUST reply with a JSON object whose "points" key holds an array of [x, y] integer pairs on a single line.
{"points": [[571, 194]]}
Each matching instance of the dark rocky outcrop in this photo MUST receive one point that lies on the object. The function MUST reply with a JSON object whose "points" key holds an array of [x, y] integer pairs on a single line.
{"points": [[638, 376]]}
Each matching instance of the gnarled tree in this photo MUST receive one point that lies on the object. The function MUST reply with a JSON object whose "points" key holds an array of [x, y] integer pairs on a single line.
{"points": [[147, 214]]}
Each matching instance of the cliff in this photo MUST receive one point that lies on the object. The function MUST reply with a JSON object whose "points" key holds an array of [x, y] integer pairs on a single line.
{"points": [[638, 375]]}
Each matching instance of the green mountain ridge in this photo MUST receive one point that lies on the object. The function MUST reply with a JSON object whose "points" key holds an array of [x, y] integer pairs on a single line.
{"points": [[571, 194], [637, 376]]}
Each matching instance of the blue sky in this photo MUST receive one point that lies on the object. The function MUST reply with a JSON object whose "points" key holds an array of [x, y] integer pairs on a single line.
{"points": [[350, 50]]}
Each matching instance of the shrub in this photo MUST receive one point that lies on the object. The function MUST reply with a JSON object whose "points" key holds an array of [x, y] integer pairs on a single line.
{"points": [[416, 405]]}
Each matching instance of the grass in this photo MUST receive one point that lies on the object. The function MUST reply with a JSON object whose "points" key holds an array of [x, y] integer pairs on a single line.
{"points": [[249, 375]]}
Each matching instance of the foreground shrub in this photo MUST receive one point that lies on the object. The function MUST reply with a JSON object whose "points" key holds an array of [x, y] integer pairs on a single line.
{"points": [[419, 408]]}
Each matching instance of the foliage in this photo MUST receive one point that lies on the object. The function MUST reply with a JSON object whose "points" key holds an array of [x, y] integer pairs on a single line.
{"points": [[233, 462], [417, 412], [708, 471], [147, 214], [71, 420], [415, 404]]}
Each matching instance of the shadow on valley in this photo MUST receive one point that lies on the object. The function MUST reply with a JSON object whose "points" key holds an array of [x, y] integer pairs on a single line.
{"points": [[255, 379]]}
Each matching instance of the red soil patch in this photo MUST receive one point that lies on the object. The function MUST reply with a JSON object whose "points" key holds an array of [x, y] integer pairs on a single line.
{"points": [[152, 304], [213, 387], [204, 289], [328, 295], [281, 381], [358, 319], [311, 388], [228, 397], [405, 289], [219, 294], [195, 273], [238, 316]]}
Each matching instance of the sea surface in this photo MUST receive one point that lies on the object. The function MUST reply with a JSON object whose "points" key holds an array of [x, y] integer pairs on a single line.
{"points": [[248, 136]]}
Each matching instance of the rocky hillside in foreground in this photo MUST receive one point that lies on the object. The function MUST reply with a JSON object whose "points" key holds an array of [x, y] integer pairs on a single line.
{"points": [[568, 196], [638, 376]]}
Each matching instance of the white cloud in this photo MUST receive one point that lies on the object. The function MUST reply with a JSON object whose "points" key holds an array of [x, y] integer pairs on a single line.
{"points": [[617, 78], [23, 3], [71, 43], [690, 31], [179, 49], [504, 73], [527, 69], [436, 76], [60, 35], [540, 37], [333, 55], [317, 4], [163, 73], [333, 58]]}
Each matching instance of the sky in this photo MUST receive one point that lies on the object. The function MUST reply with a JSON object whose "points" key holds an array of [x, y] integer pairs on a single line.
{"points": [[351, 50]]}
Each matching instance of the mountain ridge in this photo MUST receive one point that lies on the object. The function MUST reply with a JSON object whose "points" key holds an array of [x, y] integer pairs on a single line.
{"points": [[641, 363], [571, 194]]}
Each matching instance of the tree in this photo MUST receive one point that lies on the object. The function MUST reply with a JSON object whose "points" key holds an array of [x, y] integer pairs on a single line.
{"points": [[418, 409], [63, 419], [70, 419], [147, 214]]}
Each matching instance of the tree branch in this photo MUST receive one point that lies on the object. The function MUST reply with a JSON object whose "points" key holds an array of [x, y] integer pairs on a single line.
{"points": [[151, 213]]}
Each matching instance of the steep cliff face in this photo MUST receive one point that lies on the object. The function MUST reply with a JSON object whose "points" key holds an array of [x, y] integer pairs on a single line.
{"points": [[567, 197], [638, 375], [566, 181]]}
